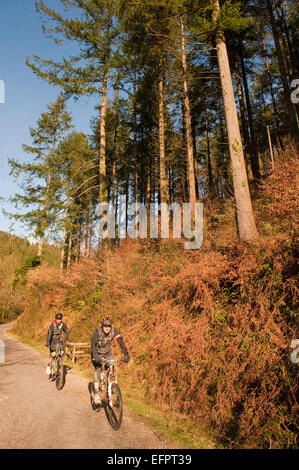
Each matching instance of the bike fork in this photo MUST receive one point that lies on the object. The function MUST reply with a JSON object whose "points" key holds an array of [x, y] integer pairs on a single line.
{"points": [[110, 395]]}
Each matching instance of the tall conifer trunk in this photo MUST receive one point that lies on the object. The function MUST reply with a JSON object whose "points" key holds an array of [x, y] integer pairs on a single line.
{"points": [[289, 106], [210, 174], [187, 112], [253, 144], [69, 250], [163, 174], [245, 218], [113, 184], [271, 86], [103, 197], [243, 117], [62, 252], [78, 245], [136, 167], [42, 235]]}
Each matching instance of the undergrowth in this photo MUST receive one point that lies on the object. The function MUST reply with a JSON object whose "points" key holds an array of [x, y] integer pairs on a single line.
{"points": [[208, 331]]}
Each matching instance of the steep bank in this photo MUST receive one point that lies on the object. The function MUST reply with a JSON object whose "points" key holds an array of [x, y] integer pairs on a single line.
{"points": [[209, 332], [16, 256]]}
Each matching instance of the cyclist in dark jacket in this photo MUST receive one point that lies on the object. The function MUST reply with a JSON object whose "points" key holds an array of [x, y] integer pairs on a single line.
{"points": [[101, 342], [54, 337]]}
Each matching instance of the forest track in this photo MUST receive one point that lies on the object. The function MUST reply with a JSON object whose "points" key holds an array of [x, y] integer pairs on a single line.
{"points": [[35, 415]]}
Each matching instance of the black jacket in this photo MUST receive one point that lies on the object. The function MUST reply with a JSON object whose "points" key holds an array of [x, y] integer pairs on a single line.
{"points": [[54, 337], [101, 343]]}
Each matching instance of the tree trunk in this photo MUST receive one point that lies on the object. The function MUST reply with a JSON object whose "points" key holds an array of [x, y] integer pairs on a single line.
{"points": [[135, 148], [195, 159], [245, 218], [78, 245], [163, 174], [103, 196], [40, 246], [289, 55], [62, 252], [113, 184], [69, 251], [271, 86], [289, 106], [86, 238], [190, 156], [224, 158], [210, 175], [148, 186], [253, 145], [90, 234], [286, 42], [43, 224], [184, 165], [270, 147], [243, 118]]}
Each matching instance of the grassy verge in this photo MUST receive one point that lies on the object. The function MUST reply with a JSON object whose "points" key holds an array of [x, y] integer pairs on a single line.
{"points": [[174, 427]]}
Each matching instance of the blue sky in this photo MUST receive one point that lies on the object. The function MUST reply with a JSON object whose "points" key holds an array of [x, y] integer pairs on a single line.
{"points": [[27, 96]]}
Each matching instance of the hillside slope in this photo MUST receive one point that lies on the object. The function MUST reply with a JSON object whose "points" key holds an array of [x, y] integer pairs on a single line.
{"points": [[15, 252], [209, 332]]}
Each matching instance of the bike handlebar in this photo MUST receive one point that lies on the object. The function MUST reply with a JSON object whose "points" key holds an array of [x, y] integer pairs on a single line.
{"points": [[111, 361]]}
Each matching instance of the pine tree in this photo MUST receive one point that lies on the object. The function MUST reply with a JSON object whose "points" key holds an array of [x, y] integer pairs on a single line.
{"points": [[78, 177], [290, 108], [245, 218], [95, 31], [40, 178]]}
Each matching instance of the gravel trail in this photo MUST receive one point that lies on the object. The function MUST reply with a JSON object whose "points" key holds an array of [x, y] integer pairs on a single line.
{"points": [[35, 415]]}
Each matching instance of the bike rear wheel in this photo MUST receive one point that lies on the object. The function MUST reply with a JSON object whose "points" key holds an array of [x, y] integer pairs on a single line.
{"points": [[115, 407]]}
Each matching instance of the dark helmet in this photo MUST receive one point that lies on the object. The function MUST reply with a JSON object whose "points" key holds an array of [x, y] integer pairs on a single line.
{"points": [[58, 316], [107, 321]]}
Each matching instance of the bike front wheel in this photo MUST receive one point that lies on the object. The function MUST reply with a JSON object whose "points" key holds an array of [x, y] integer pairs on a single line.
{"points": [[59, 373], [115, 407]]}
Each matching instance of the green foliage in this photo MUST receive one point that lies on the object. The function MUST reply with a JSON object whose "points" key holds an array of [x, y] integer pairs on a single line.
{"points": [[93, 27], [231, 17], [15, 253], [41, 182], [21, 273]]}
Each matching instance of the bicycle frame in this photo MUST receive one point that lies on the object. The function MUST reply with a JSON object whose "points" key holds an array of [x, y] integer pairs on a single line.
{"points": [[111, 394], [59, 352], [111, 377]]}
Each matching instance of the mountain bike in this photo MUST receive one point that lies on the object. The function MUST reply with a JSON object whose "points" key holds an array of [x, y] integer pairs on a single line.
{"points": [[111, 395], [57, 369]]}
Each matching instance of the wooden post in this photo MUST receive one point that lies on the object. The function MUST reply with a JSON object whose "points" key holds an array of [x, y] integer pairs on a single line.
{"points": [[76, 351]]}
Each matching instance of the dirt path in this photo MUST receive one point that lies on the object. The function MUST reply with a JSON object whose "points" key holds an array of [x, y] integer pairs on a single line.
{"points": [[35, 415]]}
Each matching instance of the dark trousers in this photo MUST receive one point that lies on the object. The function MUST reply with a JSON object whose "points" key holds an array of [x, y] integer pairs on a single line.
{"points": [[98, 366]]}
